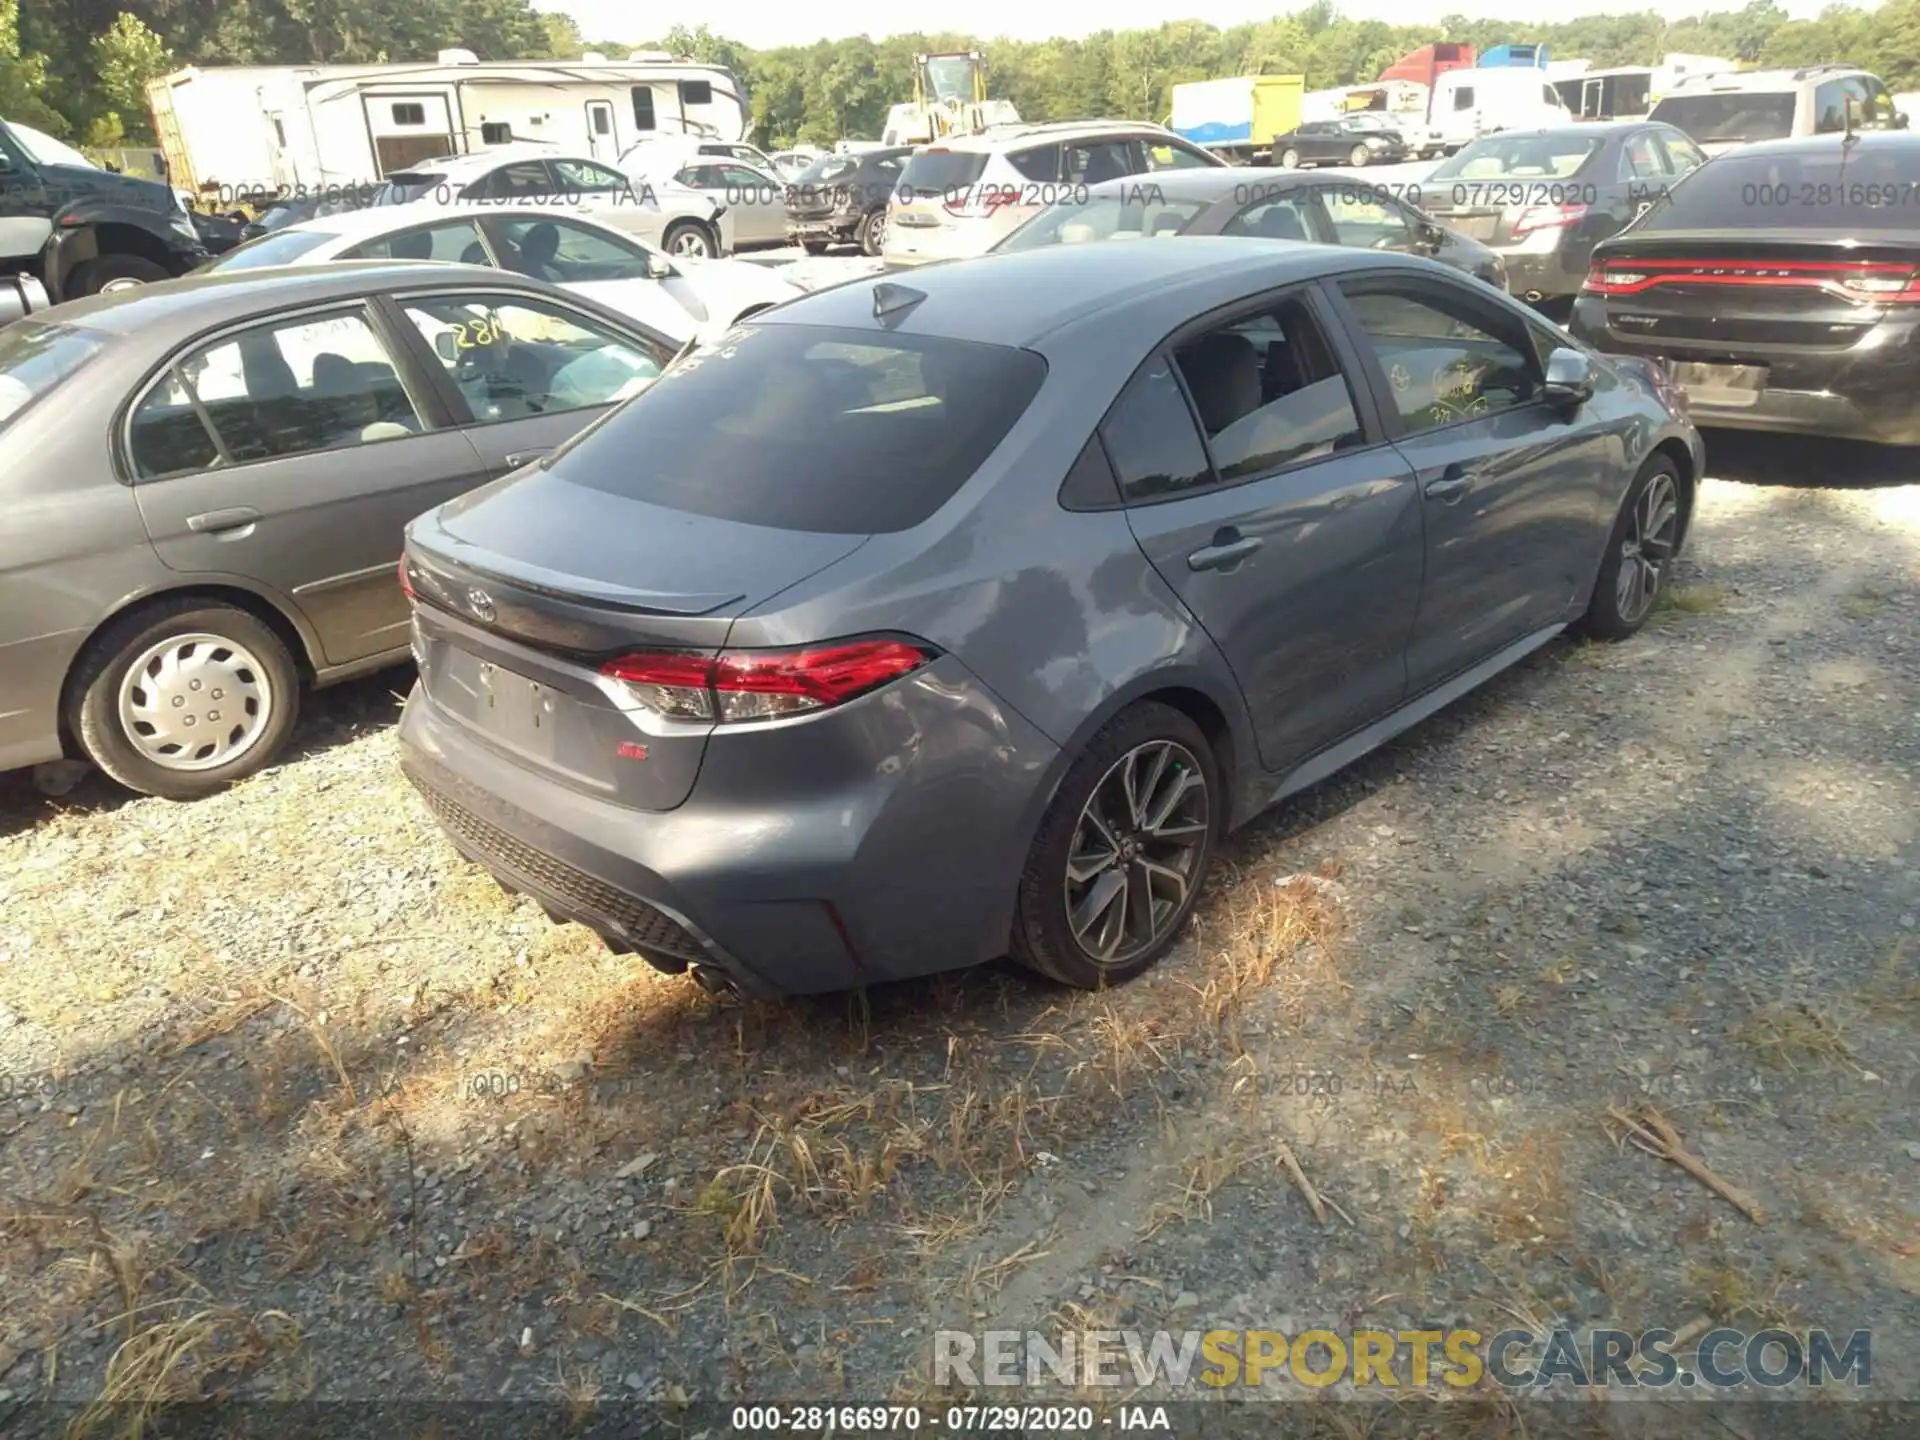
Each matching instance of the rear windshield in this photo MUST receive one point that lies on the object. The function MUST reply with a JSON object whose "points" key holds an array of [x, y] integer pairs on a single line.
{"points": [[1521, 157], [803, 427], [407, 188], [277, 247], [1874, 189], [933, 172], [35, 357], [1710, 119], [1105, 217], [828, 167]]}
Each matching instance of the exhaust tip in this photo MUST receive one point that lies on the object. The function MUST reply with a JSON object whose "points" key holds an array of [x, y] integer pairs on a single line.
{"points": [[713, 981], [1533, 297]]}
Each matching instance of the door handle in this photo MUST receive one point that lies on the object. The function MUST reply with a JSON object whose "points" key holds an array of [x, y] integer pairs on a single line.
{"points": [[1453, 484], [527, 457], [215, 521], [1228, 549]]}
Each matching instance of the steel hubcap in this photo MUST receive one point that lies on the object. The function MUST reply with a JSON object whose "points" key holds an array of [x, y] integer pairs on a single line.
{"points": [[112, 286], [1136, 851], [1647, 548], [192, 702]]}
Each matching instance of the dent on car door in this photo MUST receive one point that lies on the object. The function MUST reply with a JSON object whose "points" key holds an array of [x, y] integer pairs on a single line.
{"points": [[240, 453], [1257, 485], [1510, 487], [522, 373]]}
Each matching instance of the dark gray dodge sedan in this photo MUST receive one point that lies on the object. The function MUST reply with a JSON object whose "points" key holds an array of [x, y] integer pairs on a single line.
{"points": [[204, 484], [913, 624]]}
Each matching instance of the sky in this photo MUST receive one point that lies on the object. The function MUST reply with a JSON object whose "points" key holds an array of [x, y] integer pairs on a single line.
{"points": [[762, 24]]}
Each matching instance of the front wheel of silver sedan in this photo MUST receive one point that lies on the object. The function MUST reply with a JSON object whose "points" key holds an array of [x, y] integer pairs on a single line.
{"points": [[1639, 558], [184, 698], [690, 240], [1121, 856]]}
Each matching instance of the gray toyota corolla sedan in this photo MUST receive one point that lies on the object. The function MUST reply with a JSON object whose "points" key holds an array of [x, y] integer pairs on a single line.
{"points": [[204, 484], [920, 623]]}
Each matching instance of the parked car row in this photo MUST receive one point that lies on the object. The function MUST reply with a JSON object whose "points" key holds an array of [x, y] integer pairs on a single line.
{"points": [[809, 640]]}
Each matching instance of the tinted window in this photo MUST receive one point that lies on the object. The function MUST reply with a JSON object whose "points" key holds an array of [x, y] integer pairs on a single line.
{"points": [[277, 247], [642, 107], [1528, 157], [1712, 119], [1463, 98], [1870, 187], [35, 357], [931, 172], [1279, 215], [807, 428], [1830, 108], [511, 358], [317, 383], [1442, 360], [565, 252], [458, 240], [576, 177], [1161, 155], [1090, 164], [1150, 436], [404, 189], [1269, 393], [1643, 158], [525, 177], [1105, 217], [1682, 154], [1362, 221], [830, 167], [696, 92], [1041, 163]]}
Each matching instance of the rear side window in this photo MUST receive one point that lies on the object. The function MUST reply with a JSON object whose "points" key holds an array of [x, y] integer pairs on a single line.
{"points": [[404, 189], [801, 427], [1731, 117], [34, 358], [932, 172], [1041, 163], [1156, 451]]}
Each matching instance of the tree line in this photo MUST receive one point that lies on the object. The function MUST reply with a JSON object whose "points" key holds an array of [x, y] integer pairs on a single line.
{"points": [[78, 68]]}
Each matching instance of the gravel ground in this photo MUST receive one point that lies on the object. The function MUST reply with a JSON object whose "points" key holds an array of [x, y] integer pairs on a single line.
{"points": [[295, 1104]]}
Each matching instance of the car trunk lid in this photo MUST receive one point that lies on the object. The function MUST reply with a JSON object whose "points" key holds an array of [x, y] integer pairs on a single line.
{"points": [[1810, 291], [526, 589]]}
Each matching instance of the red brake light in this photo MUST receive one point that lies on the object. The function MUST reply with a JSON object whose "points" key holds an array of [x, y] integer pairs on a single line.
{"points": [[979, 200], [1547, 217], [760, 684]]}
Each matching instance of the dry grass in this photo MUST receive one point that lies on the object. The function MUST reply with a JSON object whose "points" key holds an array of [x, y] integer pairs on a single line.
{"points": [[1203, 1176], [1790, 1034], [1689, 600]]}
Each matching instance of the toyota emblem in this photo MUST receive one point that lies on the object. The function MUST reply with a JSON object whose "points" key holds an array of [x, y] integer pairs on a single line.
{"points": [[481, 603]]}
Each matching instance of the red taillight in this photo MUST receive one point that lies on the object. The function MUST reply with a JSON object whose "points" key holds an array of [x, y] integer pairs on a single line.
{"points": [[977, 201], [1870, 282], [1547, 217], [760, 684], [406, 583]]}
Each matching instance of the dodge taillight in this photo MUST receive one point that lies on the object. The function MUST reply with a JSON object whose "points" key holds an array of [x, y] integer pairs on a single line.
{"points": [[759, 684]]}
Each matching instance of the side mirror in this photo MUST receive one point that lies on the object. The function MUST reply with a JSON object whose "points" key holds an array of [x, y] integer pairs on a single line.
{"points": [[658, 266], [1899, 119], [1569, 378], [445, 348], [6, 163]]}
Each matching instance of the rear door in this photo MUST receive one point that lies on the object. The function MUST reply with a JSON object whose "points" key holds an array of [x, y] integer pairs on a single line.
{"points": [[292, 452], [1508, 485], [758, 204], [524, 373], [1259, 486]]}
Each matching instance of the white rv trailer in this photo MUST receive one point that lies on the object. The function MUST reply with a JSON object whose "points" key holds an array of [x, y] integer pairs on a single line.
{"points": [[235, 132]]}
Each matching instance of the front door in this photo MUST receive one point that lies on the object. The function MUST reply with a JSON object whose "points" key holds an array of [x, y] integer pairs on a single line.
{"points": [[1507, 483], [528, 372], [1286, 525], [321, 447]]}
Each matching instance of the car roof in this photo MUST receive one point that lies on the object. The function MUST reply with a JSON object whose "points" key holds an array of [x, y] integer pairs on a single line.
{"points": [[221, 296], [1023, 132], [1210, 182], [1780, 77], [488, 159], [1830, 142], [386, 219], [1015, 298]]}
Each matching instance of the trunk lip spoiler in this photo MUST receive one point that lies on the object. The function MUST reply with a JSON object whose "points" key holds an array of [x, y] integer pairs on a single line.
{"points": [[443, 554]]}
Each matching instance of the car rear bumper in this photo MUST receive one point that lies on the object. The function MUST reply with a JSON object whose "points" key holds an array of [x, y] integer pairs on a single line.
{"points": [[830, 228], [878, 842], [1864, 392], [1532, 275]]}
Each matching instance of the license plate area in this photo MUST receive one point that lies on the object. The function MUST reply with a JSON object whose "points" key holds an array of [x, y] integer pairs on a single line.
{"points": [[1730, 386], [520, 714]]}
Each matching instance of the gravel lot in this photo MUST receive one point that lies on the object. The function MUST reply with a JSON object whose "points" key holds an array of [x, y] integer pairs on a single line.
{"points": [[302, 1106]]}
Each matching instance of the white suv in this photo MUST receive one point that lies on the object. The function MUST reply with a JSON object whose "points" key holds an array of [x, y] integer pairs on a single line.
{"points": [[959, 196], [1721, 111]]}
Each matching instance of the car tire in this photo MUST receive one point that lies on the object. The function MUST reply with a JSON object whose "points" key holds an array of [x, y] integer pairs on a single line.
{"points": [[119, 272], [814, 247], [1289, 159], [168, 641], [1646, 538], [1359, 156], [1159, 747], [872, 234], [690, 240]]}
